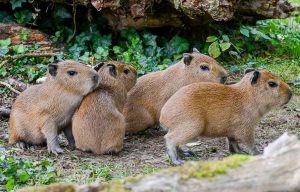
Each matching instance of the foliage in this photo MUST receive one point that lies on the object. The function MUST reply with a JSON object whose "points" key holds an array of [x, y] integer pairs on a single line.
{"points": [[15, 171]]}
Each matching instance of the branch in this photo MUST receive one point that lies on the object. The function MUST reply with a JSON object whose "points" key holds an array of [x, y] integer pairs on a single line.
{"points": [[3, 63], [9, 87], [26, 55]]}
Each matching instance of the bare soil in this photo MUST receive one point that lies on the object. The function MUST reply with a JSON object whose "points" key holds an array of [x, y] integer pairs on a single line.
{"points": [[145, 152]]}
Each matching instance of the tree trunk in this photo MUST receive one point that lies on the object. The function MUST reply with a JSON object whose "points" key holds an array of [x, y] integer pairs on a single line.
{"points": [[278, 169], [159, 13]]}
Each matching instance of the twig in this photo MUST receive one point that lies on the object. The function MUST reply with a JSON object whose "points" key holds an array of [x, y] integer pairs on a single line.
{"points": [[3, 63], [27, 55], [18, 85], [9, 87]]}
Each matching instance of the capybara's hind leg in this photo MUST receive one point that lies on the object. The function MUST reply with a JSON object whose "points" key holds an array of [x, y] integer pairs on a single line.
{"points": [[172, 152], [234, 146]]}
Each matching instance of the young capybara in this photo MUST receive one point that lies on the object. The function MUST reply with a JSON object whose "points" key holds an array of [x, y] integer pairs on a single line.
{"points": [[99, 125], [216, 110], [42, 111], [145, 100]]}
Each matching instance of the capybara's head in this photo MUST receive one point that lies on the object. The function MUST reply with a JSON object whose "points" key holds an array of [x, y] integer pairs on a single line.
{"points": [[74, 77], [123, 72], [203, 68], [269, 89]]}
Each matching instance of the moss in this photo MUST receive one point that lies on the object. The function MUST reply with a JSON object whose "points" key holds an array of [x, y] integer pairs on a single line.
{"points": [[114, 186], [211, 168]]}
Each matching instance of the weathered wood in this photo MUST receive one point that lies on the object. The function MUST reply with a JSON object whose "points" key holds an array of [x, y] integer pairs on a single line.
{"points": [[278, 169]]}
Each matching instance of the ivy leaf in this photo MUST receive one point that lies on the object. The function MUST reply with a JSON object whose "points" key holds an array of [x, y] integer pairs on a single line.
{"points": [[149, 39], [16, 3], [214, 50], [210, 39], [245, 32], [19, 48], [62, 13], [224, 46], [23, 16], [179, 44], [10, 184], [85, 57], [5, 43], [3, 51], [24, 177], [24, 35], [101, 53]]}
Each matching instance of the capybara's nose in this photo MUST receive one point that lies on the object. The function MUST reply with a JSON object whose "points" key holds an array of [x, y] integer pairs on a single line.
{"points": [[95, 78], [223, 78]]}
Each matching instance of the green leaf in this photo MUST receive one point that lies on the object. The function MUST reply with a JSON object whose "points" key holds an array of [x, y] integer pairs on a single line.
{"points": [[85, 57], [101, 53], [3, 51], [225, 38], [19, 48], [16, 3], [117, 49], [179, 44], [210, 39], [5, 43], [24, 177], [245, 32], [62, 13], [214, 50], [24, 34], [224, 46], [23, 16], [10, 184]]}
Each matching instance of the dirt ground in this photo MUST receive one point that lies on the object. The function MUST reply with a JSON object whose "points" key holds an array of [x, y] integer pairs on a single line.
{"points": [[145, 153]]}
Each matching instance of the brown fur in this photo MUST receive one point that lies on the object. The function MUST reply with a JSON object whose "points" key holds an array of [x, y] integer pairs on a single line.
{"points": [[145, 100], [99, 125], [42, 111], [216, 110]]}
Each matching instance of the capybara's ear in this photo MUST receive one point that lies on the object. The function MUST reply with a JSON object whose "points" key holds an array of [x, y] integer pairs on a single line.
{"points": [[187, 58], [195, 50], [52, 69], [98, 66], [255, 77], [248, 70], [112, 70]]}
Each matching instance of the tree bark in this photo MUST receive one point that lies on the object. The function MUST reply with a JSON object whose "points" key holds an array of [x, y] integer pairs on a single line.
{"points": [[176, 13], [278, 169]]}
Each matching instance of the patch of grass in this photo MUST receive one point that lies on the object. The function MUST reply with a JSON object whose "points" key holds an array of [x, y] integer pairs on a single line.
{"points": [[148, 169], [294, 1]]}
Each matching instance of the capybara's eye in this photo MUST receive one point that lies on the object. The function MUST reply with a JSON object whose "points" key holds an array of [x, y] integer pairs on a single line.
{"points": [[204, 68], [126, 71], [72, 73], [272, 84]]}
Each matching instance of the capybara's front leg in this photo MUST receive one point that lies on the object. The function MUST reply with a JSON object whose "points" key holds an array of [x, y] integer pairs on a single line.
{"points": [[50, 133]]}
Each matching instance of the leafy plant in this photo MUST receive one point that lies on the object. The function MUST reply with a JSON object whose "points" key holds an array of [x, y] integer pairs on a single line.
{"points": [[15, 172], [218, 45]]}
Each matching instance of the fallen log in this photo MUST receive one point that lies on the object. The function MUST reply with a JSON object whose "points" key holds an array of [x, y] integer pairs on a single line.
{"points": [[277, 169]]}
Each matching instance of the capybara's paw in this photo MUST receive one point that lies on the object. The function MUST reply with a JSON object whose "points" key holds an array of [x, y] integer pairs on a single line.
{"points": [[55, 150], [21, 145], [187, 153], [178, 162]]}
